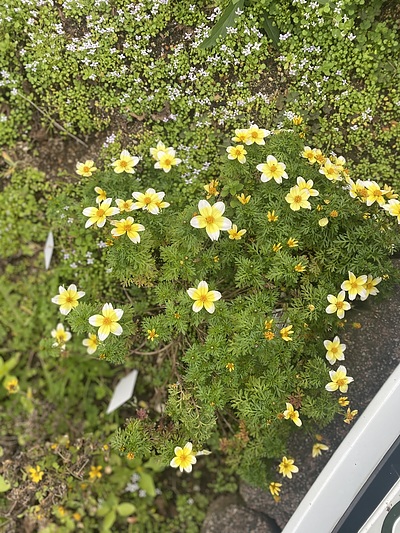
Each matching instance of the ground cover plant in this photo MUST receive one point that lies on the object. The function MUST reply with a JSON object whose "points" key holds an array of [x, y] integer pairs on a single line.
{"points": [[234, 323]]}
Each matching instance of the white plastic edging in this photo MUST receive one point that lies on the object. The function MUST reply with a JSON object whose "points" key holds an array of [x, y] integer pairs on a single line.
{"points": [[351, 464]]}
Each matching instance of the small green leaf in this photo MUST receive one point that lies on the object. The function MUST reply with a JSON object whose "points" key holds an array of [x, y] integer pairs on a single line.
{"points": [[226, 20], [109, 520], [4, 485], [146, 483], [126, 509], [271, 30]]}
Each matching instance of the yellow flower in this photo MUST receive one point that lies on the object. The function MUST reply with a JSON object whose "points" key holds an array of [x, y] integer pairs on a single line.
{"points": [[77, 517], [151, 334], [256, 135], [297, 198], [127, 226], [184, 458], [269, 335], [275, 488], [61, 336], [211, 188], [234, 234], [243, 199], [154, 152], [130, 456], [393, 208], [335, 350], [98, 215], [166, 159], [272, 169], [95, 472], [337, 304], [297, 120], [370, 286], [308, 153], [102, 195], [11, 384], [355, 286], [303, 184], [86, 169], [339, 380], [271, 216], [374, 193], [61, 510], [36, 474], [124, 205], [350, 415], [277, 247], [389, 192], [292, 243], [91, 343], [339, 162], [230, 366], [334, 214], [237, 152], [107, 322], [330, 171], [299, 268], [287, 467], [211, 218], [67, 299], [203, 297], [268, 323], [149, 201], [318, 448], [291, 414], [125, 163], [241, 136], [319, 156], [285, 332], [343, 401]]}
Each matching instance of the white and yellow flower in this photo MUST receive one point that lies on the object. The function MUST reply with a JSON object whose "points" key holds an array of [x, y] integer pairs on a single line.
{"points": [[256, 135], [149, 201], [107, 322], [303, 184], [355, 286], [393, 208], [291, 414], [184, 458], [203, 297], [334, 350], [61, 336], [124, 205], [234, 234], [370, 287], [98, 215], [125, 163], [340, 380], [166, 159], [211, 219], [68, 298], [91, 343], [86, 169], [127, 225], [272, 169], [237, 152], [337, 304], [101, 195], [298, 198]]}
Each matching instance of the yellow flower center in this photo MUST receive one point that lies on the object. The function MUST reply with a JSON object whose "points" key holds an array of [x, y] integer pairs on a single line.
{"points": [[341, 382], [297, 199], [203, 298], [100, 213], [339, 305], [334, 349], [107, 321], [167, 162], [147, 200], [273, 168], [354, 285], [127, 226], [69, 299], [86, 169], [377, 193], [254, 134], [210, 220], [123, 164]]}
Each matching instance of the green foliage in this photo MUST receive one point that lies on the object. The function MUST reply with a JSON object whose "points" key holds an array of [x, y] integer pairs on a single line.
{"points": [[231, 373]]}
